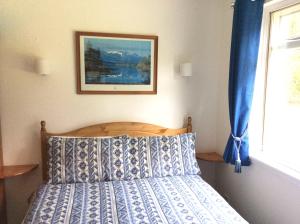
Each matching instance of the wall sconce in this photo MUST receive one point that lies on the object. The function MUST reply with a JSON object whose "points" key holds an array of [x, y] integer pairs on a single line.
{"points": [[43, 67], [185, 69]]}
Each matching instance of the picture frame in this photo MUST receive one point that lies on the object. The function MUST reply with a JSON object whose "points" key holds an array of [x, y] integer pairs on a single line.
{"points": [[109, 63]]}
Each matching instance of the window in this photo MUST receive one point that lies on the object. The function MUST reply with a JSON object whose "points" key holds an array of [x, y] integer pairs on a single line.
{"points": [[280, 132]]}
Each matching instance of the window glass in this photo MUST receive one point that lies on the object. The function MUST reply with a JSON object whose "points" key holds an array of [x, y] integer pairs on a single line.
{"points": [[281, 138]]}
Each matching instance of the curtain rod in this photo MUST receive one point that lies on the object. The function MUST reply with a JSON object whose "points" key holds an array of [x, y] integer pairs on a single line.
{"points": [[233, 2]]}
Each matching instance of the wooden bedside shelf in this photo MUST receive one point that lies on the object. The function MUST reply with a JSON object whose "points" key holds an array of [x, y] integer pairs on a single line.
{"points": [[16, 170], [210, 157]]}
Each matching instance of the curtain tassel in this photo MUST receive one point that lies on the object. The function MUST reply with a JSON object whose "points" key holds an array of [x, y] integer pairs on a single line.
{"points": [[238, 166], [237, 144]]}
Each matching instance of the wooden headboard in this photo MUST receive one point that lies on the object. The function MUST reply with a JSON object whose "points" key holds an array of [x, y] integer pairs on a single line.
{"points": [[109, 129]]}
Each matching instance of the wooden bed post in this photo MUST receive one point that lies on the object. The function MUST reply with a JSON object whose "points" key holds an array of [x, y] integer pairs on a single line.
{"points": [[44, 150], [189, 124]]}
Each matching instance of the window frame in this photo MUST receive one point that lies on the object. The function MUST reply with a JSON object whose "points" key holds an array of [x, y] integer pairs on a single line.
{"points": [[258, 113]]}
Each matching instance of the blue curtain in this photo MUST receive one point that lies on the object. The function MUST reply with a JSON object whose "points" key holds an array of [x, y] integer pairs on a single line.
{"points": [[243, 60]]}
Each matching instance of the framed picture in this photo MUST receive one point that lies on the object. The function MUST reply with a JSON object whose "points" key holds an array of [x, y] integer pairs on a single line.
{"points": [[116, 63]]}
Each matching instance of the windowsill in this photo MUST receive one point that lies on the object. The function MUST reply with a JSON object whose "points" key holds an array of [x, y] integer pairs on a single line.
{"points": [[277, 167]]}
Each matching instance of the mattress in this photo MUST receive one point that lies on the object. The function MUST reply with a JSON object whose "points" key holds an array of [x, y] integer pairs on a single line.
{"points": [[177, 199]]}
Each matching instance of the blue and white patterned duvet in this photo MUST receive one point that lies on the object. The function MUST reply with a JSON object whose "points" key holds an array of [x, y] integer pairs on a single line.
{"points": [[178, 199]]}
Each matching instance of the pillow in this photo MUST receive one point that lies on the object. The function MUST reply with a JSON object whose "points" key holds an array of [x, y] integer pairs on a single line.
{"points": [[76, 159], [94, 159], [153, 156]]}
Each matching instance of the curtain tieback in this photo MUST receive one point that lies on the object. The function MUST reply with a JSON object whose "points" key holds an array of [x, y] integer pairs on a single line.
{"points": [[237, 143]]}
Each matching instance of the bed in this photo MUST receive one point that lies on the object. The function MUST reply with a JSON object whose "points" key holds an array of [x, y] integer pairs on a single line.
{"points": [[124, 172]]}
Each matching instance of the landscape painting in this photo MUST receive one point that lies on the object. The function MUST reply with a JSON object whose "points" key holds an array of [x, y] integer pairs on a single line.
{"points": [[116, 63]]}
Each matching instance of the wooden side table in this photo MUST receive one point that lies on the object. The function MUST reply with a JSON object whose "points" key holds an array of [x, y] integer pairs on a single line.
{"points": [[208, 168], [210, 157], [8, 172], [16, 170]]}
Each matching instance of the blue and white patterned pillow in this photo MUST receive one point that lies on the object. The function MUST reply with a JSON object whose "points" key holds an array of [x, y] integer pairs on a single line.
{"points": [[73, 159], [89, 159], [153, 156]]}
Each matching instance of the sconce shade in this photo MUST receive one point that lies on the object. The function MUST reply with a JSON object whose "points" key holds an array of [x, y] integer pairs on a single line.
{"points": [[186, 69], [43, 67]]}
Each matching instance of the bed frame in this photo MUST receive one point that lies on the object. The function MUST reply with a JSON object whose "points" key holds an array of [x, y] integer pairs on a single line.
{"points": [[109, 129]]}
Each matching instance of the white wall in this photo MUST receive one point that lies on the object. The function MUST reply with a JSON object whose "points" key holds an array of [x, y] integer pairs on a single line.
{"points": [[187, 30], [261, 194], [196, 30]]}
